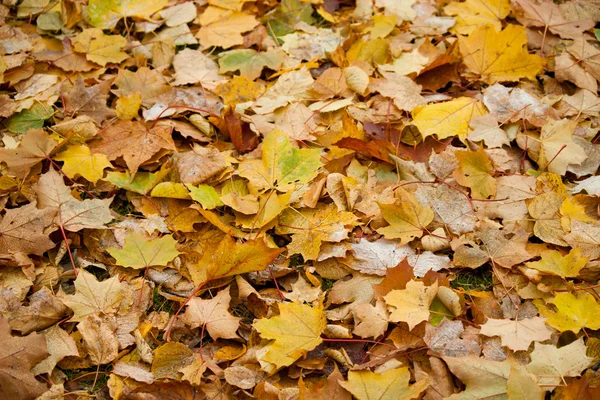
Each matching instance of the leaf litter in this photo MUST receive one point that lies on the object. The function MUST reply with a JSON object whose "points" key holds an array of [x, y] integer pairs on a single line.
{"points": [[234, 199]]}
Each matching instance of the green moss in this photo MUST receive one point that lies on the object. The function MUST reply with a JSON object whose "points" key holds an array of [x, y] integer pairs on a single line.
{"points": [[473, 279]]}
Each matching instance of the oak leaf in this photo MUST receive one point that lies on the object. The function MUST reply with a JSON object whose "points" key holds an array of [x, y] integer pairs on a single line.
{"points": [[392, 384], [295, 331], [140, 252], [499, 56]]}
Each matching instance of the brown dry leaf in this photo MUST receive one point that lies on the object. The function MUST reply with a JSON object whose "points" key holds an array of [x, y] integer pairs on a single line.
{"points": [[89, 101], [35, 146], [133, 141], [548, 15], [518, 334], [20, 355], [213, 315], [22, 230]]}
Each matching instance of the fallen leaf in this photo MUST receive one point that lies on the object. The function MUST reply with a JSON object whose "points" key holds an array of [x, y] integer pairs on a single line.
{"points": [[140, 252], [517, 335], [411, 305], [504, 57], [296, 330], [447, 119], [214, 315], [388, 385]]}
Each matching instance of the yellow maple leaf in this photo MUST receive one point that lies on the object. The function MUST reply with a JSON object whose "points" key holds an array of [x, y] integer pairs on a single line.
{"points": [[105, 14], [227, 30], [474, 171], [93, 297], [238, 90], [140, 252], [128, 106], [499, 56], [573, 312], [411, 305], [100, 48], [232, 258], [473, 13], [79, 160], [557, 148], [295, 331], [553, 262], [311, 227], [450, 118], [392, 384], [407, 217]]}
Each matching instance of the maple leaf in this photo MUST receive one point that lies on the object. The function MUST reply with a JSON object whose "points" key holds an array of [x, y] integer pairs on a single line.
{"points": [[474, 13], [475, 171], [450, 118], [214, 315], [118, 141], [22, 230], [388, 385], [574, 313], [552, 365], [549, 16], [140, 252], [79, 161], [149, 83], [35, 146], [100, 48], [66, 59], [192, 66], [482, 378], [93, 297], [553, 262], [89, 101], [232, 258], [105, 14], [295, 331], [224, 30], [518, 334], [557, 148], [282, 165], [499, 56], [326, 389], [59, 345], [411, 305], [20, 355], [408, 218], [249, 62], [71, 214], [545, 209], [312, 227]]}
